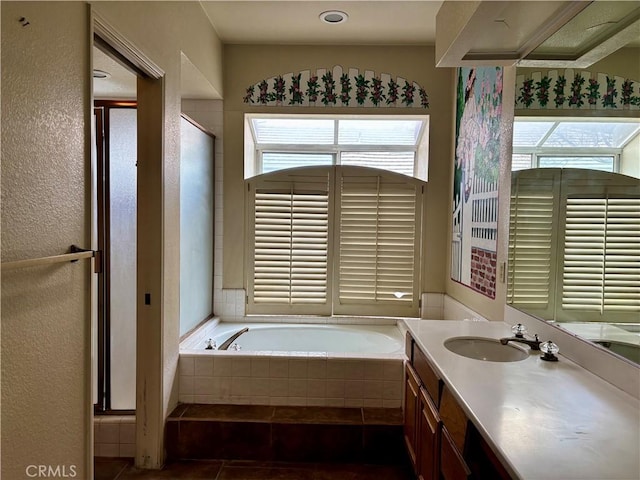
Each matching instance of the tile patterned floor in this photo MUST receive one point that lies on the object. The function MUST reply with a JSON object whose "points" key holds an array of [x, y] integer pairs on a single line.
{"points": [[117, 469]]}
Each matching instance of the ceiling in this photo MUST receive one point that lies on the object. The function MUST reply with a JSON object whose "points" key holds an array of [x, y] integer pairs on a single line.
{"points": [[370, 22], [295, 22]]}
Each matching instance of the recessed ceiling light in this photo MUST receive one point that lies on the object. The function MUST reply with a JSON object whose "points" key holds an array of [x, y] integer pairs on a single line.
{"points": [[100, 74], [333, 17]]}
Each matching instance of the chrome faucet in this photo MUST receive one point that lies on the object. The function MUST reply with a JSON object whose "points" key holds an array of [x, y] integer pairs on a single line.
{"points": [[518, 336]]}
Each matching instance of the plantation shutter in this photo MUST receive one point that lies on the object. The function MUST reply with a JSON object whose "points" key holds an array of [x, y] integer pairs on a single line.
{"points": [[601, 271], [290, 272], [532, 238], [378, 237]]}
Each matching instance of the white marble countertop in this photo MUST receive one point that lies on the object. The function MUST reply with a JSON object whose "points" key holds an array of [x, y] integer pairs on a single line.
{"points": [[544, 420]]}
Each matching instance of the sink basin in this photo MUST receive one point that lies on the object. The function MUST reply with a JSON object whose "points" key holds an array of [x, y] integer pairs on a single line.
{"points": [[488, 349]]}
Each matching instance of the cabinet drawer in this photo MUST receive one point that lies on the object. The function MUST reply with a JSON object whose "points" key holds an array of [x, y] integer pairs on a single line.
{"points": [[453, 418], [429, 458], [411, 408], [427, 374], [452, 465]]}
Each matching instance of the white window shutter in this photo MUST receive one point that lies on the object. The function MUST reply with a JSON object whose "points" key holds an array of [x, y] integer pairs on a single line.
{"points": [[289, 263], [532, 240], [602, 254], [378, 238]]}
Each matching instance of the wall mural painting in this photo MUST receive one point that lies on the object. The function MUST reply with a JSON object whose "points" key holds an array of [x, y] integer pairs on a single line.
{"points": [[475, 190], [570, 89], [337, 87]]}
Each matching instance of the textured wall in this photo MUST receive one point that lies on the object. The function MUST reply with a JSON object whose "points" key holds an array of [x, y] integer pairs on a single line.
{"points": [[45, 310], [248, 64], [161, 30]]}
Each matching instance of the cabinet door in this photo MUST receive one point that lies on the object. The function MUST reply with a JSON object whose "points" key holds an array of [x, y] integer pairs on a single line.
{"points": [[452, 465], [411, 405], [429, 431]]}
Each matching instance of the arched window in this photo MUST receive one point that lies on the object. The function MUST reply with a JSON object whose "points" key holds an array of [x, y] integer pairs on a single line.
{"points": [[334, 240]]}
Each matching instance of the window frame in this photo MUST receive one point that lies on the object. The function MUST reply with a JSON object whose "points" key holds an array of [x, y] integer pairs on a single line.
{"points": [[254, 162], [308, 175], [539, 150]]}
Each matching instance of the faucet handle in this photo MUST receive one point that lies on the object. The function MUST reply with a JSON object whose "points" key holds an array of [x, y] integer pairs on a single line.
{"points": [[519, 330], [549, 350]]}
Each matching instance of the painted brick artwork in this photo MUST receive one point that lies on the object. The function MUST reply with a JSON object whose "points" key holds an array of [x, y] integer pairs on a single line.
{"points": [[475, 185], [483, 271]]}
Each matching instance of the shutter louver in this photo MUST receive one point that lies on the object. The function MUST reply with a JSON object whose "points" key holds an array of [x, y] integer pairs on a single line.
{"points": [[602, 255], [531, 241], [291, 246], [378, 224]]}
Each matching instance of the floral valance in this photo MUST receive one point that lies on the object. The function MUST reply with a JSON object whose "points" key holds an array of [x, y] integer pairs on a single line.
{"points": [[337, 87], [570, 89]]}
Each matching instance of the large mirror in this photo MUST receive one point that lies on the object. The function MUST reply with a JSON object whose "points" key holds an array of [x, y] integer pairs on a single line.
{"points": [[574, 243]]}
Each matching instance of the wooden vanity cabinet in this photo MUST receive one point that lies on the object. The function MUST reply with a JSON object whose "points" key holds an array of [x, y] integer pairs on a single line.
{"points": [[453, 466], [422, 422], [429, 425], [411, 407], [455, 427], [441, 441]]}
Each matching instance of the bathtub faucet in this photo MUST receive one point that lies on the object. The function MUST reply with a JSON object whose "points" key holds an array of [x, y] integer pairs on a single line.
{"points": [[229, 341]]}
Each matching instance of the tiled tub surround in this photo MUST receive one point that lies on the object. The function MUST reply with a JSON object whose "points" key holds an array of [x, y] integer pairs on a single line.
{"points": [[334, 379], [313, 379], [114, 436]]}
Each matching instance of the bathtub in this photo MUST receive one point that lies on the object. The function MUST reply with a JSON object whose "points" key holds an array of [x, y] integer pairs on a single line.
{"points": [[320, 364], [279, 337]]}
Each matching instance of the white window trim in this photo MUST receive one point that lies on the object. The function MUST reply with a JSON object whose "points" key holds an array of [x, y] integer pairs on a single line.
{"points": [[255, 150], [307, 175]]}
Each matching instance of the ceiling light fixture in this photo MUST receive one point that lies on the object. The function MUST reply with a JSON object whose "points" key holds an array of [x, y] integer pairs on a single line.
{"points": [[333, 17], [100, 74]]}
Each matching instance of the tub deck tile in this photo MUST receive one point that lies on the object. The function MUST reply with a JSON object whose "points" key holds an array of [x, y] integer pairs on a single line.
{"points": [[382, 416], [230, 413], [324, 415]]}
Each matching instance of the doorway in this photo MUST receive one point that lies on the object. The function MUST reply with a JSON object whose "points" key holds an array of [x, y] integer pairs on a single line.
{"points": [[116, 165]]}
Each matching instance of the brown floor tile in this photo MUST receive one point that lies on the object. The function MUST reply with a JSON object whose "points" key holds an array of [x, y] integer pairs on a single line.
{"points": [[274, 472], [324, 415], [360, 472], [108, 468], [183, 470], [249, 470]]}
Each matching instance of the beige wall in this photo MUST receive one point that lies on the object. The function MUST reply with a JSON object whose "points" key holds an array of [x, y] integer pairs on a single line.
{"points": [[46, 403], [46, 384], [246, 65]]}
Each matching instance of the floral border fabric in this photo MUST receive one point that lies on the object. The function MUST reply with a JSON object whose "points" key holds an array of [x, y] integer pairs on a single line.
{"points": [[569, 89], [337, 87]]}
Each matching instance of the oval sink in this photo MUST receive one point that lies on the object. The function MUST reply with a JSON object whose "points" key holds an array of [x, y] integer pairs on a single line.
{"points": [[487, 349]]}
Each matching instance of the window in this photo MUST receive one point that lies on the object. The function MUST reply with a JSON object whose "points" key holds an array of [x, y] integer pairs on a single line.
{"points": [[334, 240], [393, 143], [601, 271], [574, 247], [596, 144]]}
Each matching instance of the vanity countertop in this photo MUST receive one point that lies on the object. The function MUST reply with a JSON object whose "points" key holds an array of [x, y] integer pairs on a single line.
{"points": [[544, 420]]}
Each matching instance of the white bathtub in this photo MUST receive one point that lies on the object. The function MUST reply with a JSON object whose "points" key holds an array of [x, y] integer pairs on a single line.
{"points": [[279, 337], [337, 365]]}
